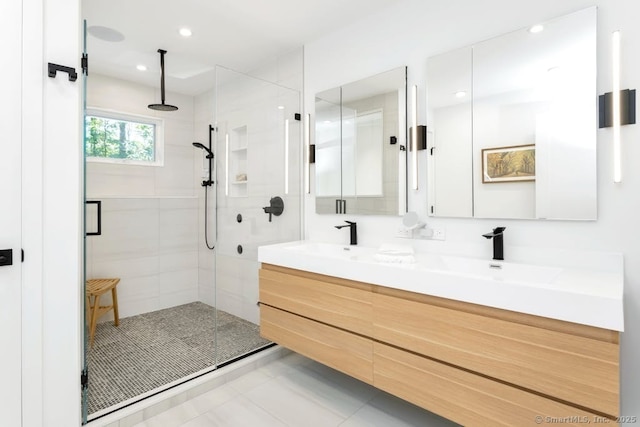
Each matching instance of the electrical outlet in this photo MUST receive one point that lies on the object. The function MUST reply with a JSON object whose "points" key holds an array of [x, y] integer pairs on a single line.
{"points": [[403, 233], [438, 234]]}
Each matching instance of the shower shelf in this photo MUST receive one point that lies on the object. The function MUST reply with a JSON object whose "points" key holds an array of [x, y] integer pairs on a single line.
{"points": [[238, 161]]}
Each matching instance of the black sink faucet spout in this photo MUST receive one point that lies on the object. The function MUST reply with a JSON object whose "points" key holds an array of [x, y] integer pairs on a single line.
{"points": [[498, 245], [353, 231]]}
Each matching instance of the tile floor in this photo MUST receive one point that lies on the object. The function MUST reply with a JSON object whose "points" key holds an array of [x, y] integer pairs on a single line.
{"points": [[297, 392], [151, 350]]}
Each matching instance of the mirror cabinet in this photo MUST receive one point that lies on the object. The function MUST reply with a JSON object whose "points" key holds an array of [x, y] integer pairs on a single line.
{"points": [[360, 138], [512, 124]]}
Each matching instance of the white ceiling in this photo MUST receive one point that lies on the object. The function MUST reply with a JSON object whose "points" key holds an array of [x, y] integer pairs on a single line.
{"points": [[238, 34]]}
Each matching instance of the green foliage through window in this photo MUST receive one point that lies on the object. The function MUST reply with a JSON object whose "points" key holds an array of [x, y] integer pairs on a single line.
{"points": [[119, 139]]}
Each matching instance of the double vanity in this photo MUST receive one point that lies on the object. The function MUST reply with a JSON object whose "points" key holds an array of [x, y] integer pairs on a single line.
{"points": [[479, 342]]}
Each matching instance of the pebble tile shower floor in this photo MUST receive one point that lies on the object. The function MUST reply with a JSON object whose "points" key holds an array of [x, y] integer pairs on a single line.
{"points": [[153, 349]]}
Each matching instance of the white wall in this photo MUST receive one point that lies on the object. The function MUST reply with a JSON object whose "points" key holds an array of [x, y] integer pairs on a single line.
{"points": [[52, 165], [149, 213], [204, 107], [413, 30]]}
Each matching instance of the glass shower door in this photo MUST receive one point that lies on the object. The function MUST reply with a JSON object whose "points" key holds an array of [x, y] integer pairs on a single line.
{"points": [[258, 161], [84, 375]]}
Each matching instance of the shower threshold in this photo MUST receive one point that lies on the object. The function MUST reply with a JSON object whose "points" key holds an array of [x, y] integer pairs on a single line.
{"points": [[152, 352]]}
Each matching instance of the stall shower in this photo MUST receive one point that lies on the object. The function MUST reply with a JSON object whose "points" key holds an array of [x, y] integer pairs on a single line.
{"points": [[186, 256]]}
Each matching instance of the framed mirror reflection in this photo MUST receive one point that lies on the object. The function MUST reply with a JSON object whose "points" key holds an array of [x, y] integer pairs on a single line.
{"points": [[360, 138]]}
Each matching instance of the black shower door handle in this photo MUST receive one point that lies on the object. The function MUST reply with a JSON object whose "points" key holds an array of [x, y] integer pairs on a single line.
{"points": [[99, 206]]}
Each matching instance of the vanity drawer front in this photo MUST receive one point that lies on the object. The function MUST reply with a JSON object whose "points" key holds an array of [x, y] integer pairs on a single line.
{"points": [[345, 304], [461, 396], [576, 369], [341, 350]]}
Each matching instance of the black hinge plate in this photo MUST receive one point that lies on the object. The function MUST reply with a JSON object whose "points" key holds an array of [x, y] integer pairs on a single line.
{"points": [[297, 116], [84, 378], [85, 64]]}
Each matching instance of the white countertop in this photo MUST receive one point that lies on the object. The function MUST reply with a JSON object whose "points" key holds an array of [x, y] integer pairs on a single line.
{"points": [[581, 292]]}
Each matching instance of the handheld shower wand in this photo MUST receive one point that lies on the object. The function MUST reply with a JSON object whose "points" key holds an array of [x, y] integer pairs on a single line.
{"points": [[208, 183], [210, 156]]}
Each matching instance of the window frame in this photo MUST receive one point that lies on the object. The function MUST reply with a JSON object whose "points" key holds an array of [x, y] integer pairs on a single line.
{"points": [[136, 118]]}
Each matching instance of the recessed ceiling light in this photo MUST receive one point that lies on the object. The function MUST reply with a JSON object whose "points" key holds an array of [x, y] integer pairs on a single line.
{"points": [[461, 94], [141, 67], [105, 33], [185, 32], [536, 28], [280, 107]]}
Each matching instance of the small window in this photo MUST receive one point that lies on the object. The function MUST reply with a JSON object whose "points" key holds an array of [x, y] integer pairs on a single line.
{"points": [[123, 138]]}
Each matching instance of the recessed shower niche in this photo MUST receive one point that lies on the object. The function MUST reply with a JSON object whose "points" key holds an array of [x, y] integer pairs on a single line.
{"points": [[238, 169]]}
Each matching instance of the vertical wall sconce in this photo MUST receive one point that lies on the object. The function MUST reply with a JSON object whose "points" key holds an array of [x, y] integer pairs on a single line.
{"points": [[414, 137], [286, 156], [307, 153], [617, 162], [226, 164], [617, 108]]}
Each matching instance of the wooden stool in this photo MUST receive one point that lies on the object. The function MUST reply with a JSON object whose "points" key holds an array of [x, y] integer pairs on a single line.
{"points": [[95, 288]]}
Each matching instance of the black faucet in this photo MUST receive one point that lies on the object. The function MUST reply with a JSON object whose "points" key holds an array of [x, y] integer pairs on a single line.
{"points": [[276, 207], [498, 247], [353, 231]]}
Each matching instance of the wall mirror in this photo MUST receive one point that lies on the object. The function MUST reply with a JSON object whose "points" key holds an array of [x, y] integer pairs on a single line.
{"points": [[360, 139], [512, 123]]}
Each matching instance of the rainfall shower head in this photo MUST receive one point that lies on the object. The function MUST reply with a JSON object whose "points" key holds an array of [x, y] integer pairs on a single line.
{"points": [[199, 145], [163, 106]]}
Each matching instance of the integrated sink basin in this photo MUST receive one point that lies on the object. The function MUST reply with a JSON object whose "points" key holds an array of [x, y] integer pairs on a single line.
{"points": [[331, 250], [586, 289], [502, 271]]}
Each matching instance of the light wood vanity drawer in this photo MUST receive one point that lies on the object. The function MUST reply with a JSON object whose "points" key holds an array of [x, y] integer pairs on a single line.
{"points": [[339, 302], [341, 350], [577, 367], [461, 396]]}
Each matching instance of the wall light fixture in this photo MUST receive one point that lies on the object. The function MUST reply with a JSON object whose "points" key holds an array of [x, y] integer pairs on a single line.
{"points": [[286, 156], [414, 137], [226, 164], [617, 162], [307, 155]]}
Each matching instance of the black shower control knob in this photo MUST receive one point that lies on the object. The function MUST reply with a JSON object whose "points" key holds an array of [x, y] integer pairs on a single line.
{"points": [[239, 249], [239, 217]]}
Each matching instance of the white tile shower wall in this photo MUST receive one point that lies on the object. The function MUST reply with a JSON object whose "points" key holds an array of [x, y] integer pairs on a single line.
{"points": [[177, 176], [236, 275], [151, 245], [203, 117], [149, 223]]}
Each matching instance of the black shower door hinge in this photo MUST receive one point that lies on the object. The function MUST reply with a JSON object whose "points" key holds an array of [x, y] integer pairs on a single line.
{"points": [[84, 62], [297, 116], [84, 379]]}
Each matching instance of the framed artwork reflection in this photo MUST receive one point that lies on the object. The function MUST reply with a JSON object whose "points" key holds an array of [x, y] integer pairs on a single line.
{"points": [[509, 164]]}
